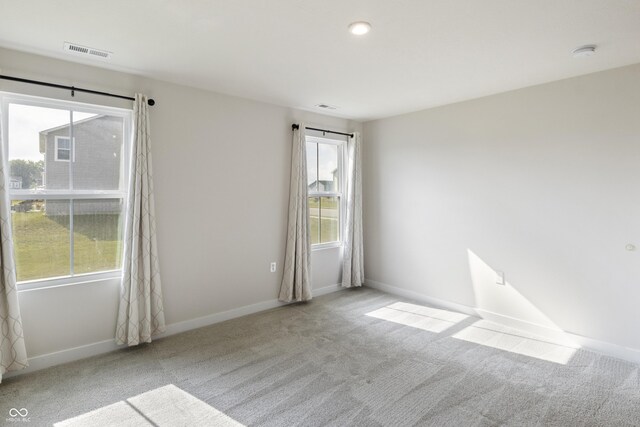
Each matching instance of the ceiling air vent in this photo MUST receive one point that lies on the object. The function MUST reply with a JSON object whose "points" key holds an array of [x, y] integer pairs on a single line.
{"points": [[87, 52], [326, 106]]}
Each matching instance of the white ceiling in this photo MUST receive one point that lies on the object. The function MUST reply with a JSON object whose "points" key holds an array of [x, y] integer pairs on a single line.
{"points": [[298, 53]]}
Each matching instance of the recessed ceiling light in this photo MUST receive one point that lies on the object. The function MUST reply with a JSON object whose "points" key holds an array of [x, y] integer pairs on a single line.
{"points": [[359, 28], [584, 51]]}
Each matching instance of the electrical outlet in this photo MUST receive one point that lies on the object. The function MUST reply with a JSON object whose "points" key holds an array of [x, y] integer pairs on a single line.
{"points": [[273, 267], [500, 278]]}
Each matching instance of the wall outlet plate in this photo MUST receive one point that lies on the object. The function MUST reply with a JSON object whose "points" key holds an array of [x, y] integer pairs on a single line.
{"points": [[273, 267]]}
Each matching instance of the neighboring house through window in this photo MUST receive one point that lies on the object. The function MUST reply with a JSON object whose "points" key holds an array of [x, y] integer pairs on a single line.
{"points": [[325, 187], [62, 148], [15, 182], [67, 199]]}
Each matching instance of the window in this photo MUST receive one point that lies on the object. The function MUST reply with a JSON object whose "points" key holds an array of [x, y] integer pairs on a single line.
{"points": [[69, 169], [324, 175], [63, 148]]}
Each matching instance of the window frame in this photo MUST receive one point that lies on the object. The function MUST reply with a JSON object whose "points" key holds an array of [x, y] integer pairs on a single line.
{"points": [[8, 98], [342, 158], [72, 151]]}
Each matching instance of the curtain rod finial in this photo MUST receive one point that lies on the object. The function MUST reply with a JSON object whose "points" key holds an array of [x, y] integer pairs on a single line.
{"points": [[151, 102], [295, 126]]}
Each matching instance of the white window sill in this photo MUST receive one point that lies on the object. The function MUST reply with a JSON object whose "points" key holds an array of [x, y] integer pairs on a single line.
{"points": [[323, 246], [79, 279]]}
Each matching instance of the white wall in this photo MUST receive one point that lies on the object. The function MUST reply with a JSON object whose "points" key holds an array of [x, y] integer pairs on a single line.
{"points": [[221, 168], [541, 183]]}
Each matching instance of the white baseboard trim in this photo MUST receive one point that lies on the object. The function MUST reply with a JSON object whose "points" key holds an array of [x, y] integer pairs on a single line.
{"points": [[37, 363], [327, 290], [449, 305], [553, 335], [199, 322], [43, 361]]}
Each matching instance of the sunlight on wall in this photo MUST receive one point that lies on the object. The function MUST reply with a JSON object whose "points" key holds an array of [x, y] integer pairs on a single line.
{"points": [[162, 406], [505, 302], [500, 337], [417, 316], [502, 299]]}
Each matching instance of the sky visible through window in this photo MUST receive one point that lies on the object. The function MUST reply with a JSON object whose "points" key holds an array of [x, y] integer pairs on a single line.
{"points": [[328, 164], [25, 124]]}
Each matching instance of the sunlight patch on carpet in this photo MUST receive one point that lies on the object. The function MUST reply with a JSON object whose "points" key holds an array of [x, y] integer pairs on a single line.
{"points": [[418, 316], [163, 406], [502, 338]]}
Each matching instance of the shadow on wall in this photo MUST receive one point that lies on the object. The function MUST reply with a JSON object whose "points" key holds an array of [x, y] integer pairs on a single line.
{"points": [[496, 299], [508, 320], [493, 294]]}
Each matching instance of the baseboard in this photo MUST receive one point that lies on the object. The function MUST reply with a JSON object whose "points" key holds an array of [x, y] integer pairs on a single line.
{"points": [[449, 305], [43, 361], [199, 322], [37, 363], [553, 335], [327, 290], [210, 319]]}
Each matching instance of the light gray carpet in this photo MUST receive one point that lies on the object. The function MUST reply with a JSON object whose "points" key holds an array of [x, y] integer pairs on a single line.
{"points": [[163, 406], [347, 359]]}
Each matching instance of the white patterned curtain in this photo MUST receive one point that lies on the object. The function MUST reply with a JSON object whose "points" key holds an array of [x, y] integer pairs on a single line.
{"points": [[141, 312], [296, 282], [13, 354], [353, 255]]}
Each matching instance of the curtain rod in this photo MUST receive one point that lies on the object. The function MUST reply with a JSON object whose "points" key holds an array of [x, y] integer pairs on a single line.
{"points": [[73, 89], [296, 126]]}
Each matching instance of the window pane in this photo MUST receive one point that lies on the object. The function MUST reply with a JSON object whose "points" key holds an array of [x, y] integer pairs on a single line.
{"points": [[54, 147], [32, 131], [63, 144], [41, 238], [312, 166], [314, 219], [97, 244], [98, 152], [63, 154], [330, 223], [328, 168]]}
